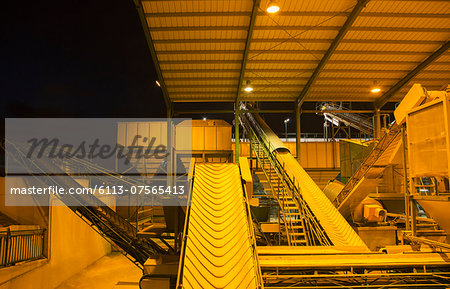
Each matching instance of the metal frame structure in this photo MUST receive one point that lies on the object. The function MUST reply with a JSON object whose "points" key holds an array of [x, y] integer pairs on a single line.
{"points": [[360, 4], [386, 96], [302, 227], [106, 222], [326, 59]]}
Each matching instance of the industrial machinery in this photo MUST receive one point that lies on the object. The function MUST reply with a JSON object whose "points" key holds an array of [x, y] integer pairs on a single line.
{"points": [[343, 236]]}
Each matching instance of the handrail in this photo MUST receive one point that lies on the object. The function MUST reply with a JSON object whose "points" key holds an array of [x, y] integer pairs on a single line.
{"points": [[313, 225], [371, 159], [100, 217], [252, 237], [22, 245]]}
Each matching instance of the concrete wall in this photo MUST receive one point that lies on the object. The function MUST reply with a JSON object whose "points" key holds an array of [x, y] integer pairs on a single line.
{"points": [[73, 246], [24, 215]]}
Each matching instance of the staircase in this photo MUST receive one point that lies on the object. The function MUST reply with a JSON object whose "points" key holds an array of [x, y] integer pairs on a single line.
{"points": [[93, 211], [290, 209]]}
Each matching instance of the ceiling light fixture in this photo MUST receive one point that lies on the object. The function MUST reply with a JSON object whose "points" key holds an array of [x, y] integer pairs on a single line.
{"points": [[375, 90], [272, 7], [157, 83], [248, 87], [375, 87]]}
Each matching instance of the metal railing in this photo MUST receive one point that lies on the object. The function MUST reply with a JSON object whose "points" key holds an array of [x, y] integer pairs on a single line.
{"points": [[90, 209], [357, 121], [20, 245], [369, 162], [315, 233]]}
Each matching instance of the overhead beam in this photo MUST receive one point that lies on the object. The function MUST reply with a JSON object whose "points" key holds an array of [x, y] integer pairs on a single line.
{"points": [[288, 70], [394, 89], [225, 111], [299, 14], [264, 86], [230, 111], [299, 28], [148, 38], [358, 62], [295, 40], [296, 52], [251, 25], [209, 78], [348, 23]]}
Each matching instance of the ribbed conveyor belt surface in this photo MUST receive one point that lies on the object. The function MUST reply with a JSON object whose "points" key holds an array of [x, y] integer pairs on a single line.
{"points": [[335, 226], [367, 177], [218, 250]]}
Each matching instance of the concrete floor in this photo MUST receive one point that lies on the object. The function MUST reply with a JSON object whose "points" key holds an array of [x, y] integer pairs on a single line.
{"points": [[114, 271]]}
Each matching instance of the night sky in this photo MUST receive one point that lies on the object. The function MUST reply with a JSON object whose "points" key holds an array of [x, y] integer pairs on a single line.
{"points": [[90, 59], [77, 59]]}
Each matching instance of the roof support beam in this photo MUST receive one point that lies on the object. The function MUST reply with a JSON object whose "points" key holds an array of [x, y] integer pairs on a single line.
{"points": [[299, 14], [348, 23], [388, 94], [251, 25], [148, 37]]}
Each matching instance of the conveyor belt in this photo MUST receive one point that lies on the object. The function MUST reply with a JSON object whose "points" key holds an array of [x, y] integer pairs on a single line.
{"points": [[367, 176], [333, 223], [336, 227], [218, 249]]}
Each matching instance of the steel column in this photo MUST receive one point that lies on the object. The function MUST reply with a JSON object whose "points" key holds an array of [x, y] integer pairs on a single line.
{"points": [[377, 124], [247, 46], [298, 113], [405, 179], [148, 37], [236, 133]]}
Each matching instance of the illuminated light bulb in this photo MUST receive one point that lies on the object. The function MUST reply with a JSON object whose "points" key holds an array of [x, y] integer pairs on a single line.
{"points": [[248, 87], [273, 7], [375, 90]]}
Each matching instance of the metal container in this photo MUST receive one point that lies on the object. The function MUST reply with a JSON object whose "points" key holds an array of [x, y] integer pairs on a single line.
{"points": [[352, 154], [429, 139], [127, 133], [207, 135]]}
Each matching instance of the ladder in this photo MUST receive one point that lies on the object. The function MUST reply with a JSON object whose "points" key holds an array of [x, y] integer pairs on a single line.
{"points": [[290, 210]]}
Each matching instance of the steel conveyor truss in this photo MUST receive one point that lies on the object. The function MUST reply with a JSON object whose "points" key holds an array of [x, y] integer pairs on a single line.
{"points": [[357, 121], [301, 226], [373, 165], [94, 212]]}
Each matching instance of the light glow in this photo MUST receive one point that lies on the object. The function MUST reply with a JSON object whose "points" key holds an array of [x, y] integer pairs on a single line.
{"points": [[248, 88], [375, 90], [157, 83], [273, 7]]}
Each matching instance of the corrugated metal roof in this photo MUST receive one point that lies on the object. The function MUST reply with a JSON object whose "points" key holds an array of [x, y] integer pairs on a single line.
{"points": [[200, 46]]}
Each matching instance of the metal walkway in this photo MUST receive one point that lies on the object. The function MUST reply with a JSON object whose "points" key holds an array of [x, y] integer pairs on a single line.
{"points": [[94, 212], [219, 249], [357, 121], [324, 225]]}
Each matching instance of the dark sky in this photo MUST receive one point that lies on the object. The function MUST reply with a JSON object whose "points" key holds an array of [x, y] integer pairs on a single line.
{"points": [[90, 59], [77, 59]]}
